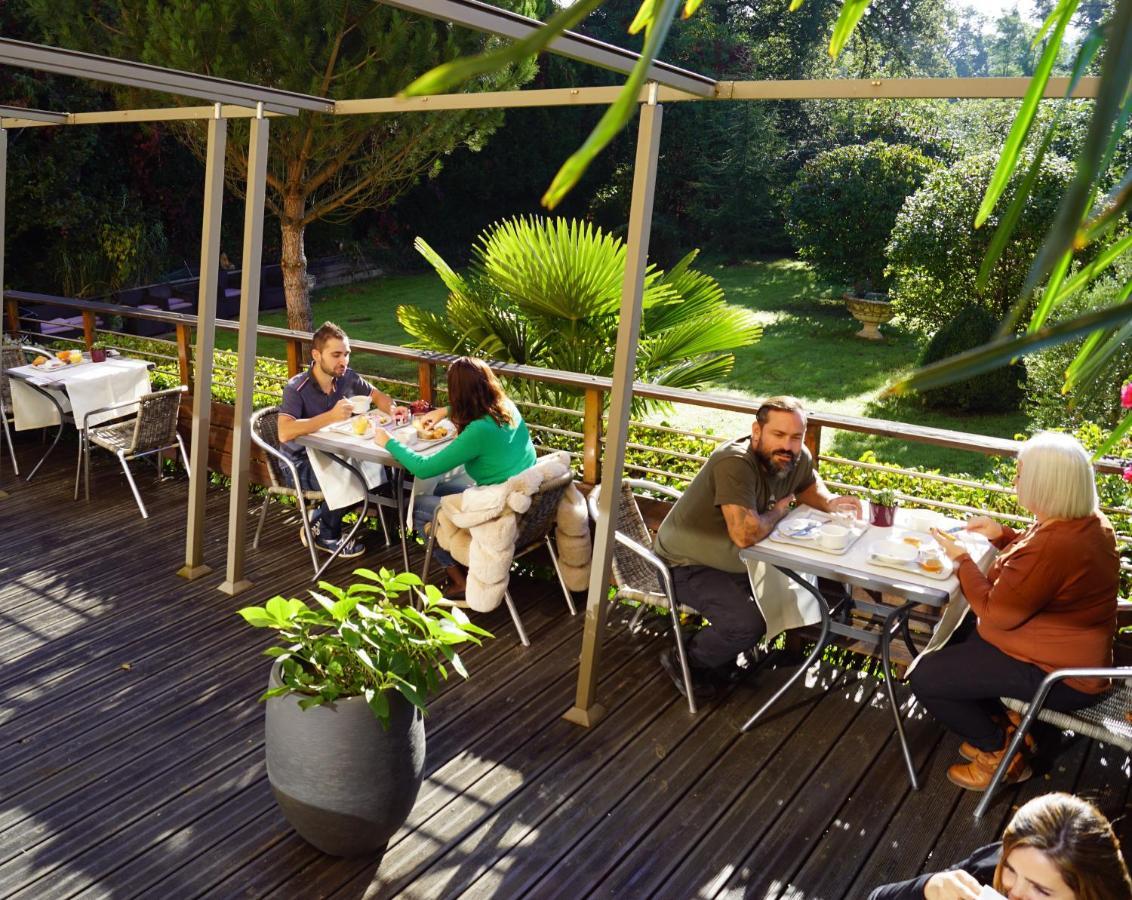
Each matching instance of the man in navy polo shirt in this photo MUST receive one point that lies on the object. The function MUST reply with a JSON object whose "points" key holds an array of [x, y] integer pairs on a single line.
{"points": [[314, 399]]}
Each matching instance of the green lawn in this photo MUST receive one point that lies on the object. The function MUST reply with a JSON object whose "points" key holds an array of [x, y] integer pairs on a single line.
{"points": [[808, 349]]}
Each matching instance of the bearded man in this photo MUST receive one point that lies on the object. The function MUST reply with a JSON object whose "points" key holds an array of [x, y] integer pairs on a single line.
{"points": [[735, 501]]}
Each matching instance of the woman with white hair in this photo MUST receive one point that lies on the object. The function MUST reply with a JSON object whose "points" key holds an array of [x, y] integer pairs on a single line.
{"points": [[1048, 602]]}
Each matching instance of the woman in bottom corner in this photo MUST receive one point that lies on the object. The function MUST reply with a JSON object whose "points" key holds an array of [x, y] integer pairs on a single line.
{"points": [[1048, 602], [1056, 847]]}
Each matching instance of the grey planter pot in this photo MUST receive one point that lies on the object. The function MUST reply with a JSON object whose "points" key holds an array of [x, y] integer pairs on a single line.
{"points": [[343, 782]]}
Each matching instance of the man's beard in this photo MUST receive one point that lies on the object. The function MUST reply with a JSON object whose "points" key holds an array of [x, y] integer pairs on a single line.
{"points": [[331, 371], [781, 463]]}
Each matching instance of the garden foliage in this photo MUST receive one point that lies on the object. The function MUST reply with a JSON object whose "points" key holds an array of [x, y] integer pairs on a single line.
{"points": [[547, 292], [935, 251], [995, 391], [844, 204]]}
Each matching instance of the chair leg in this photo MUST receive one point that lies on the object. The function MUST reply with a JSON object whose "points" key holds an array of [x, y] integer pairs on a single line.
{"points": [[133, 487], [184, 455], [262, 516], [86, 467], [1012, 747], [561, 580], [384, 527], [8, 435], [428, 552], [79, 463], [681, 654], [635, 622], [515, 618], [307, 528]]}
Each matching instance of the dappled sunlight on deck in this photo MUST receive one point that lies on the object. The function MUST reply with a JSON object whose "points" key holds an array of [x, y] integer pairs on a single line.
{"points": [[132, 756]]}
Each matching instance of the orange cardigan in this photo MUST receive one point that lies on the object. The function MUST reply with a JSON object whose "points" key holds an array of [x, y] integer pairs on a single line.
{"points": [[1050, 596]]}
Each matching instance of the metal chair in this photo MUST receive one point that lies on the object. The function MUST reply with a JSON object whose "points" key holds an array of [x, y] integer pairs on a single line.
{"points": [[1108, 720], [151, 429], [11, 356], [639, 575], [265, 433], [534, 529]]}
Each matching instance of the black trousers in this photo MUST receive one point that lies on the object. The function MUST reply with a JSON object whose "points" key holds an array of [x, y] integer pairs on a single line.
{"points": [[960, 686], [724, 598]]}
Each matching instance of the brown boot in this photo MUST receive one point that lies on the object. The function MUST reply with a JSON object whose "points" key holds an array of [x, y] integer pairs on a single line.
{"points": [[977, 774], [1010, 725]]}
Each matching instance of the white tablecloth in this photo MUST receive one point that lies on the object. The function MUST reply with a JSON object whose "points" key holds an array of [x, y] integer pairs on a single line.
{"points": [[80, 389]]}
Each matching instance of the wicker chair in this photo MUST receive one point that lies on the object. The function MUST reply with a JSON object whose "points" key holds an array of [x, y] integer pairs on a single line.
{"points": [[639, 575], [1109, 720], [11, 356], [283, 474], [534, 530], [151, 428]]}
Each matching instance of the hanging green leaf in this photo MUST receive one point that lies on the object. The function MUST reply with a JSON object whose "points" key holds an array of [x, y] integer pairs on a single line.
{"points": [[851, 12]]}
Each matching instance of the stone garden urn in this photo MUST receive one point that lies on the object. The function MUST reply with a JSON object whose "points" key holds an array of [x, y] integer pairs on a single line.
{"points": [[871, 310]]}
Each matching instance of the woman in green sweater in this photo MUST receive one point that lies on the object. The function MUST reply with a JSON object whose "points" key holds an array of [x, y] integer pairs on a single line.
{"points": [[493, 444]]}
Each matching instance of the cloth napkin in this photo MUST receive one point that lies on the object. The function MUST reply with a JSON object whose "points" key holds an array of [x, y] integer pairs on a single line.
{"points": [[339, 485], [783, 603]]}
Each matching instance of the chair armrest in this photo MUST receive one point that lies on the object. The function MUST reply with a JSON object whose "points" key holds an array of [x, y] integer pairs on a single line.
{"points": [[106, 409], [645, 485], [652, 559]]}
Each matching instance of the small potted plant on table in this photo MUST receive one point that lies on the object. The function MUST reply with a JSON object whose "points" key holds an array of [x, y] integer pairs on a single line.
{"points": [[882, 508], [345, 737]]}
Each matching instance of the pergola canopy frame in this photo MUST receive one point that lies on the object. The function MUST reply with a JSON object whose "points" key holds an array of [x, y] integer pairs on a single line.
{"points": [[668, 83]]}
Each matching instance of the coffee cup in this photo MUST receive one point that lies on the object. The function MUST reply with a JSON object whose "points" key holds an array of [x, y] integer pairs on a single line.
{"points": [[833, 537], [360, 403]]}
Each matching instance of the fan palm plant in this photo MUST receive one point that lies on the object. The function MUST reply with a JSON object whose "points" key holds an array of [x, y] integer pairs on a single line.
{"points": [[547, 292]]}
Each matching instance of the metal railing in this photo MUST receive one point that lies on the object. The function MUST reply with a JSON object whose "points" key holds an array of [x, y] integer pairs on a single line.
{"points": [[578, 431]]}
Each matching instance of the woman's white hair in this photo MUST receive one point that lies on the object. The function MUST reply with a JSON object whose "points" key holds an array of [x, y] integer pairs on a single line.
{"points": [[1056, 477]]}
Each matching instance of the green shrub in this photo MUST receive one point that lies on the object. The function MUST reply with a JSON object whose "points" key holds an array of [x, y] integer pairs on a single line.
{"points": [[997, 391], [844, 203], [1098, 402], [935, 251]]}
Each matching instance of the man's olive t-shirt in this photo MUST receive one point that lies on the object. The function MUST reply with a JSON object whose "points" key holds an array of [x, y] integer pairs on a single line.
{"points": [[695, 533]]}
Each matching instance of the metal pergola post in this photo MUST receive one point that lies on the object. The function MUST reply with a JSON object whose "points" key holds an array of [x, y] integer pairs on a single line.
{"points": [[234, 581], [3, 201], [194, 566], [586, 710]]}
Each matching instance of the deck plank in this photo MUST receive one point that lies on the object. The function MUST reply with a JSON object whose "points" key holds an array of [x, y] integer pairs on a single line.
{"points": [[132, 744]]}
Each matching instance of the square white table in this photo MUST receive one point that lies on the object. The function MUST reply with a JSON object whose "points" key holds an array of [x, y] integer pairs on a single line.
{"points": [[349, 450], [42, 398], [854, 568]]}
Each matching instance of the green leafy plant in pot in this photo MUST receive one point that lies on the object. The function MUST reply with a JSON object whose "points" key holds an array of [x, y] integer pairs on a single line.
{"points": [[882, 508], [346, 697]]}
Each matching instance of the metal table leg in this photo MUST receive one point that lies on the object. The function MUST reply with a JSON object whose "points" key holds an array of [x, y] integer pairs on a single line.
{"points": [[897, 615], [58, 431], [357, 524], [814, 654], [402, 525]]}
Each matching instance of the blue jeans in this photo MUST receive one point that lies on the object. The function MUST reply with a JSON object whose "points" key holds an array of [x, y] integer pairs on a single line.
{"points": [[330, 520], [424, 508]]}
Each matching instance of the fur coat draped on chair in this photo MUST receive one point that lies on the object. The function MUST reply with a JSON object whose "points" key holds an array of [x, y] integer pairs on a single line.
{"points": [[479, 527]]}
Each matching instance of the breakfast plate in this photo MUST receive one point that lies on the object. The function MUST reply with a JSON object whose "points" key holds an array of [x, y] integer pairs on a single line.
{"points": [[802, 528], [904, 557]]}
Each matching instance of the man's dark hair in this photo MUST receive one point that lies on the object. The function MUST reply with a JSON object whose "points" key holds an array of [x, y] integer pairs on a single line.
{"points": [[780, 404], [326, 332]]}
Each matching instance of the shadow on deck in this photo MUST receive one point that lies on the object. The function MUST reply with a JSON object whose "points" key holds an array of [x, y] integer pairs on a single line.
{"points": [[131, 759]]}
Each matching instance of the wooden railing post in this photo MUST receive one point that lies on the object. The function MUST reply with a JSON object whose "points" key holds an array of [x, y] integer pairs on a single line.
{"points": [[12, 310], [184, 354], [591, 436], [88, 328], [294, 357], [426, 381], [813, 440]]}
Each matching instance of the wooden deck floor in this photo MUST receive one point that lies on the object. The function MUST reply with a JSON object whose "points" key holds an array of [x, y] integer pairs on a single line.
{"points": [[131, 758]]}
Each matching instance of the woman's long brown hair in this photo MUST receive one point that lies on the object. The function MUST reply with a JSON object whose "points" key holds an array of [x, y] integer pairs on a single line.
{"points": [[474, 392], [1077, 839]]}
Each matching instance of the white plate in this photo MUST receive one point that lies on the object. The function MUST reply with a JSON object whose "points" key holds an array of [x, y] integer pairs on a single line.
{"points": [[922, 538], [912, 567], [892, 551], [347, 428]]}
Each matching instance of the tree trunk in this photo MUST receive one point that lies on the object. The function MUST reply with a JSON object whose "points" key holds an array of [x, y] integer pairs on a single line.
{"points": [[296, 287]]}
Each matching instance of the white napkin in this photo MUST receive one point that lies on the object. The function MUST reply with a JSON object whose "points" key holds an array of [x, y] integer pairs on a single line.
{"points": [[31, 409], [424, 487], [784, 603], [95, 385], [338, 484], [953, 615]]}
